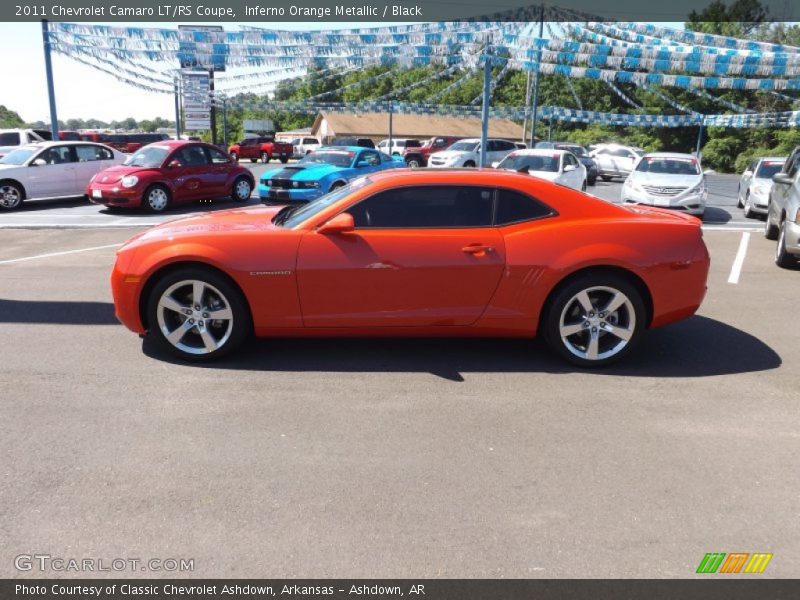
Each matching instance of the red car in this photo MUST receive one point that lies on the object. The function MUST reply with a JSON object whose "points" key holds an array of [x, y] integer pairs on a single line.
{"points": [[417, 156], [171, 172], [417, 253], [265, 148]]}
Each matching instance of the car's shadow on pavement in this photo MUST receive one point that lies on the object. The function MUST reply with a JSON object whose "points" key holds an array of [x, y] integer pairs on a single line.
{"points": [[714, 214], [698, 347], [57, 312]]}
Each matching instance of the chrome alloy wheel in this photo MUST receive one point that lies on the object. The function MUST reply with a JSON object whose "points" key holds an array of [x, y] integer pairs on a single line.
{"points": [[195, 317], [597, 323], [157, 199], [9, 196]]}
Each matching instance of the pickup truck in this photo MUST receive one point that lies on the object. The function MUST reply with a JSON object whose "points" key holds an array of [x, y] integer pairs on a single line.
{"points": [[418, 156], [265, 148], [11, 139]]}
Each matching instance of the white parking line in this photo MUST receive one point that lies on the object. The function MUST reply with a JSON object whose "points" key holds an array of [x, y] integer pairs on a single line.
{"points": [[50, 254], [736, 268]]}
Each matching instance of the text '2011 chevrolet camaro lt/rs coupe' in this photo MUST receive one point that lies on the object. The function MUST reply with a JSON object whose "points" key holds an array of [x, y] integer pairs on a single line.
{"points": [[417, 253]]}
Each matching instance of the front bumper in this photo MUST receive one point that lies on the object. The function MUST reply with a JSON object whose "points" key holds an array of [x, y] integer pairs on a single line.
{"points": [[759, 203], [114, 195], [691, 203], [273, 195]]}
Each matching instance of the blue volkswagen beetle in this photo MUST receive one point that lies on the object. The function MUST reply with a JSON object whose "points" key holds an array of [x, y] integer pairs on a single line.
{"points": [[321, 171]]}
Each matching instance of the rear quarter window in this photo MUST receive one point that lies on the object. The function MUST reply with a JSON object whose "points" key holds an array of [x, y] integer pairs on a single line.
{"points": [[516, 207]]}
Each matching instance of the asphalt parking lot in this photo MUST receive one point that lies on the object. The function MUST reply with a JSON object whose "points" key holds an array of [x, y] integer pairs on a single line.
{"points": [[394, 458]]}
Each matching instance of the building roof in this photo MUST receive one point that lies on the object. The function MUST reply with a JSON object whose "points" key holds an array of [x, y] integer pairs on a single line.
{"points": [[376, 125]]}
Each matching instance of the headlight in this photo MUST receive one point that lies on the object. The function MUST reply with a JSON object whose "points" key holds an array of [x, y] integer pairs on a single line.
{"points": [[698, 189], [760, 190], [311, 184], [129, 181]]}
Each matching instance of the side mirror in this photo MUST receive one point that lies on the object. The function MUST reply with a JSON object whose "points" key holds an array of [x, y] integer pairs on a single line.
{"points": [[495, 164], [39, 162], [174, 164], [341, 223], [783, 178], [568, 168]]}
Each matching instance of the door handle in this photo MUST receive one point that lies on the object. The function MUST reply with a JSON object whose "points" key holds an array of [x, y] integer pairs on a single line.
{"points": [[477, 249]]}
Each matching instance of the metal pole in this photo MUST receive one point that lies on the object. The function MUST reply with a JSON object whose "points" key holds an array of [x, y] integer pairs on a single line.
{"points": [[699, 139], [225, 122], [391, 124], [487, 82], [48, 67], [536, 81], [527, 104], [177, 111], [213, 108], [549, 130]]}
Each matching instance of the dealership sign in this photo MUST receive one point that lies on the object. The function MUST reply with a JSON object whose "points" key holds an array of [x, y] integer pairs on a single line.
{"points": [[196, 100]]}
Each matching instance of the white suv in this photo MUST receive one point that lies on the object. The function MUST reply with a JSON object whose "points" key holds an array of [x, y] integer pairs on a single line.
{"points": [[397, 147], [304, 145], [615, 160], [11, 139], [467, 153]]}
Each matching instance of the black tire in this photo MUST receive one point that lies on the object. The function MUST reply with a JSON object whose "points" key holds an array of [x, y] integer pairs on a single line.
{"points": [[219, 293], [739, 203], [469, 164], [153, 198], [253, 160], [748, 210], [11, 195], [782, 258], [583, 186], [235, 157], [592, 181], [605, 177], [629, 318], [284, 160], [770, 231], [264, 157], [336, 185], [238, 192]]}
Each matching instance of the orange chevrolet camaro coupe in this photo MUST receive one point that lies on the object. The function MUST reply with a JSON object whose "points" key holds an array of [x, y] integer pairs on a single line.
{"points": [[417, 253]]}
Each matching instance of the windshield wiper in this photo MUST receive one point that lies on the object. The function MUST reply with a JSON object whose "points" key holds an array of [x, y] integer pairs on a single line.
{"points": [[283, 214]]}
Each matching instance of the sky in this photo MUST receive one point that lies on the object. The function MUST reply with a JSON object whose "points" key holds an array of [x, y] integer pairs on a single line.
{"points": [[81, 91]]}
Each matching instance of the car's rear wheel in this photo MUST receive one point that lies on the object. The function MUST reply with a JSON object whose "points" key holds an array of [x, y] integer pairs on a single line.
{"points": [[11, 195], [770, 230], [285, 159], [264, 157], [783, 258], [234, 156], [156, 198], [242, 189], [197, 314], [253, 160], [595, 319], [336, 185]]}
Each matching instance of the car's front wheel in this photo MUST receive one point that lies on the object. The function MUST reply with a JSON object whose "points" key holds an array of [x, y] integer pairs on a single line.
{"points": [[595, 319], [605, 177], [11, 195], [583, 186], [469, 164], [783, 258], [770, 230], [241, 189], [197, 314], [413, 163], [156, 198], [748, 207]]}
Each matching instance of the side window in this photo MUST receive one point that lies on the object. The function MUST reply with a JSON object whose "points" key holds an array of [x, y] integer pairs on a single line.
{"points": [[504, 145], [310, 141], [10, 138], [492, 146], [793, 164], [370, 157], [217, 157], [57, 155], [426, 207], [514, 207], [191, 156]]}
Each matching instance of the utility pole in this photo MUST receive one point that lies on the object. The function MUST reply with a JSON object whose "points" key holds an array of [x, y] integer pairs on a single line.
{"points": [[487, 83], [225, 121], [534, 112], [48, 67], [177, 109], [391, 124], [213, 108], [527, 104]]}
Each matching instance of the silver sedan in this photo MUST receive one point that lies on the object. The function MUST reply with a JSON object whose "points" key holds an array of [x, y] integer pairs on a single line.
{"points": [[756, 183]]}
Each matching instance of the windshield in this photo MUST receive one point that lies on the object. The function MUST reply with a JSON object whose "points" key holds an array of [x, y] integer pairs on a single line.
{"points": [[464, 147], [293, 215], [337, 158], [149, 156], [576, 150], [766, 170], [638, 151], [516, 162], [18, 156], [668, 166]]}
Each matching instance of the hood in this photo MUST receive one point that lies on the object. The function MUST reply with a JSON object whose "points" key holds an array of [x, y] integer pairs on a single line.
{"points": [[309, 172], [8, 168], [117, 172], [253, 219], [662, 180]]}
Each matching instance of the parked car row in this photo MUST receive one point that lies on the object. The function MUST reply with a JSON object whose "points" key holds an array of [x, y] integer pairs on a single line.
{"points": [[155, 177]]}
